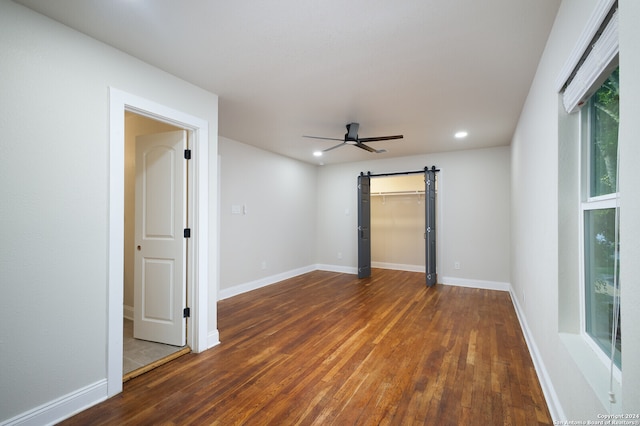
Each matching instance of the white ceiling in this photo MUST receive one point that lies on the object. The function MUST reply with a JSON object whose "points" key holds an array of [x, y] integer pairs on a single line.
{"points": [[287, 68]]}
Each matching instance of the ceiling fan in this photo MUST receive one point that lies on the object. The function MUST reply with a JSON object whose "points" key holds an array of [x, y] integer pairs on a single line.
{"points": [[351, 138]]}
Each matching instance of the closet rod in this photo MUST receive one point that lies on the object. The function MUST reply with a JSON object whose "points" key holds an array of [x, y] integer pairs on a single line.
{"points": [[433, 169], [381, 193]]}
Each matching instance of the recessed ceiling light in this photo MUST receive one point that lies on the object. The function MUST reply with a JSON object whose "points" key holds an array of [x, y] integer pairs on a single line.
{"points": [[317, 153], [461, 134]]}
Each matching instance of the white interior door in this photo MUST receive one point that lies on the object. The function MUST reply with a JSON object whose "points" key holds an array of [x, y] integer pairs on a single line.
{"points": [[160, 253]]}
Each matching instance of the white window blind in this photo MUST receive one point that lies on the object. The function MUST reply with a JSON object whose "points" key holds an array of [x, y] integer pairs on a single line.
{"points": [[593, 58]]}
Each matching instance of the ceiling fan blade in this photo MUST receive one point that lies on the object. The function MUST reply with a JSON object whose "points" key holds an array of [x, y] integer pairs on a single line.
{"points": [[365, 147], [319, 137], [334, 147], [352, 132], [381, 138]]}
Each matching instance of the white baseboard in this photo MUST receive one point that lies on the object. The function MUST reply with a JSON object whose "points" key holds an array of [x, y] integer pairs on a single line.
{"points": [[213, 339], [62, 408], [127, 312], [398, 266], [337, 268], [486, 285], [550, 395], [263, 282]]}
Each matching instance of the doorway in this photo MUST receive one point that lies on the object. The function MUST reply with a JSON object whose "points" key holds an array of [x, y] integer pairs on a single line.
{"points": [[200, 337], [415, 219], [142, 352], [398, 222]]}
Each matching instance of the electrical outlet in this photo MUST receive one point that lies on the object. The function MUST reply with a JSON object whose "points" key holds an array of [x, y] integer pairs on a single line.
{"points": [[264, 264], [339, 255], [456, 265]]}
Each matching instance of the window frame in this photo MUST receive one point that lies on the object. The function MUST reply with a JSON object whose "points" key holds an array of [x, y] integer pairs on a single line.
{"points": [[589, 203]]}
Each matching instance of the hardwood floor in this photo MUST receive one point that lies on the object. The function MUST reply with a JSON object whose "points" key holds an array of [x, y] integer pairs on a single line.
{"points": [[327, 348]]}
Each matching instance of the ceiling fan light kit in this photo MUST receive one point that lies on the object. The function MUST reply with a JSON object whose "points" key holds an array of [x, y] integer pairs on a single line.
{"points": [[351, 138]]}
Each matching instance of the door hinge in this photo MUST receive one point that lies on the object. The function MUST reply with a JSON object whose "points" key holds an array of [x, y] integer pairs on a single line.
{"points": [[187, 232], [186, 313], [187, 154]]}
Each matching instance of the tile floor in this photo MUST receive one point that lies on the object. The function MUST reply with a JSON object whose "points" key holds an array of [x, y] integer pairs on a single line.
{"points": [[138, 353]]}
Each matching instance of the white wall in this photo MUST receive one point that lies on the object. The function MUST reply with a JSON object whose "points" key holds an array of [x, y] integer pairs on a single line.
{"points": [[273, 232], [299, 216], [539, 171], [473, 211], [398, 222], [630, 200], [54, 176]]}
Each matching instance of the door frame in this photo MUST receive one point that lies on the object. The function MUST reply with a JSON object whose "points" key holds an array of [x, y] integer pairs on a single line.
{"points": [[197, 284], [439, 202]]}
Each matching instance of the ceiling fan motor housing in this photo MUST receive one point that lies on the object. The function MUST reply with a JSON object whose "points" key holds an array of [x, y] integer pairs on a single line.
{"points": [[352, 132]]}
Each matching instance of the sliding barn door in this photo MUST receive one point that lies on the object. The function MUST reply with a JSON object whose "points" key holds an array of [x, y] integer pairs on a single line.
{"points": [[430, 224], [364, 226]]}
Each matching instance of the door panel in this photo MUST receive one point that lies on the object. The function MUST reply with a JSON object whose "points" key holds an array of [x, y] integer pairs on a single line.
{"points": [[364, 226], [157, 289], [159, 273], [430, 223]]}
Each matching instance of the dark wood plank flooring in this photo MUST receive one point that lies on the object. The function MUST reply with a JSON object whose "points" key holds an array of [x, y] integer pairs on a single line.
{"points": [[326, 348]]}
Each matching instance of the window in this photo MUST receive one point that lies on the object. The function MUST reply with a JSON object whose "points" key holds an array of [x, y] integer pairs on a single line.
{"points": [[600, 211], [588, 288]]}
